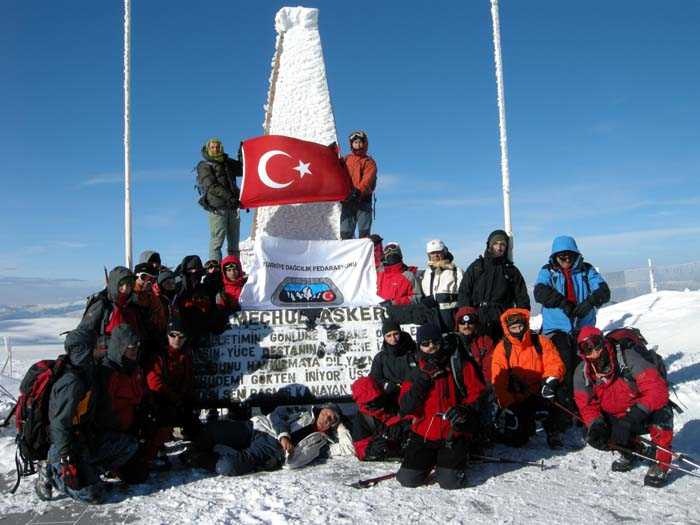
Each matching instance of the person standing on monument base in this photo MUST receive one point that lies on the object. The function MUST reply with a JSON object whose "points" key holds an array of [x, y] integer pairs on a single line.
{"points": [[216, 181], [357, 208]]}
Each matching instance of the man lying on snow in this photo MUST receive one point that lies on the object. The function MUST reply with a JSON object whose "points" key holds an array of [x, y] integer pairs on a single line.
{"points": [[444, 397], [621, 395], [287, 436]]}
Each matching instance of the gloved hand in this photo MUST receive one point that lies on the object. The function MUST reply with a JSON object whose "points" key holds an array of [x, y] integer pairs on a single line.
{"points": [[398, 432], [549, 388], [506, 420], [568, 307], [598, 434], [69, 473], [622, 428], [433, 369], [462, 418], [377, 449], [377, 404], [583, 309]]}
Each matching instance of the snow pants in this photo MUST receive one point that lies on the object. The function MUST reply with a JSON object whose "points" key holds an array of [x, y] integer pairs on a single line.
{"points": [[659, 426], [240, 449], [110, 451], [224, 224], [355, 214], [566, 346], [449, 458], [533, 409]]}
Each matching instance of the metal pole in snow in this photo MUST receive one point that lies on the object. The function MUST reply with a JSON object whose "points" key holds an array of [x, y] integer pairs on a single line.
{"points": [[127, 133], [505, 170], [652, 281]]}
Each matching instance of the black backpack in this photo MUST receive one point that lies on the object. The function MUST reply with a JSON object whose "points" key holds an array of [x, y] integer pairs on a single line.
{"points": [[32, 414]]}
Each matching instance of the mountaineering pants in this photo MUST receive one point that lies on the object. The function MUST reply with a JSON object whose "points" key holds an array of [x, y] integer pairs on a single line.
{"points": [[356, 213], [533, 409], [224, 224], [109, 451], [420, 456]]}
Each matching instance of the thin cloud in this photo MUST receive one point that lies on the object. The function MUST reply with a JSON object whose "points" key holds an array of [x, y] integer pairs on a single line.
{"points": [[137, 176]]}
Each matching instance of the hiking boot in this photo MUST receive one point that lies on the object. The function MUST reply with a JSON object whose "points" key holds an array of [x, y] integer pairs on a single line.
{"points": [[655, 477], [554, 440], [43, 486], [624, 463]]}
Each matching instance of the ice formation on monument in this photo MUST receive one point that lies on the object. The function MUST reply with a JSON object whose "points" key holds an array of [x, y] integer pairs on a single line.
{"points": [[299, 105]]}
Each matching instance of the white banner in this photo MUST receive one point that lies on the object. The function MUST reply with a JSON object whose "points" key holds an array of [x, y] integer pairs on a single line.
{"points": [[281, 352], [310, 274]]}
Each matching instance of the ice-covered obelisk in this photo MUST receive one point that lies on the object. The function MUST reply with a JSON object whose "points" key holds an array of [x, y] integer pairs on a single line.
{"points": [[299, 105]]}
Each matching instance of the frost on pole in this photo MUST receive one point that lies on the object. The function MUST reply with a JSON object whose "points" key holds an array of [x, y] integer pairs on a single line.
{"points": [[299, 105]]}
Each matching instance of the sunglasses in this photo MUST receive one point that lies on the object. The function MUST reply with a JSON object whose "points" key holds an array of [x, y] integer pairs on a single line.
{"points": [[230, 267], [592, 344], [427, 342], [565, 256], [176, 335], [145, 277]]}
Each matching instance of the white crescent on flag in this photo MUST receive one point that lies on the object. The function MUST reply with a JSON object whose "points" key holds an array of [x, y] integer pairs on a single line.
{"points": [[262, 170]]}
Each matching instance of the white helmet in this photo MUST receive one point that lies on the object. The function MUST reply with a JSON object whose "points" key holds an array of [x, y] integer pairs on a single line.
{"points": [[436, 245]]}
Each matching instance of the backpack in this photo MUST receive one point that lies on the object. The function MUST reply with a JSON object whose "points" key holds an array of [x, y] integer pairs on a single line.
{"points": [[32, 414], [625, 339], [99, 297], [202, 195], [628, 339]]}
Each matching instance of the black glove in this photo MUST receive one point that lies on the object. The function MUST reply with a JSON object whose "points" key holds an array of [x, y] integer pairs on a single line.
{"points": [[582, 309], [422, 381], [462, 418], [398, 432], [623, 428], [378, 403], [506, 420], [568, 308], [69, 472], [598, 434], [378, 449], [549, 388], [433, 369]]}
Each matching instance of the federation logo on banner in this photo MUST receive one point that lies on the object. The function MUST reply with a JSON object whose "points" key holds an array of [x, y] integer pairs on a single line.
{"points": [[295, 291], [291, 274]]}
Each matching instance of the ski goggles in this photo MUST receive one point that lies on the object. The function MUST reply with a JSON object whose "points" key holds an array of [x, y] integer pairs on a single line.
{"points": [[232, 266], [176, 335], [358, 135], [591, 344], [146, 277]]}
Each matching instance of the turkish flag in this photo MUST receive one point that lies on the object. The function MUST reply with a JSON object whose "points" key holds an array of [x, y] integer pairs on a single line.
{"points": [[284, 170]]}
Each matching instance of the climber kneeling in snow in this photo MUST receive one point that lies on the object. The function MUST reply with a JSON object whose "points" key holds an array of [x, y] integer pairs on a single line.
{"points": [[620, 395], [287, 436], [526, 371], [444, 396]]}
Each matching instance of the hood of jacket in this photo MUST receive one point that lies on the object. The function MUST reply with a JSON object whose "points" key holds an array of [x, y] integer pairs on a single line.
{"points": [[79, 346], [565, 243], [121, 337], [442, 264], [208, 158], [526, 340], [487, 253], [147, 255], [115, 277]]}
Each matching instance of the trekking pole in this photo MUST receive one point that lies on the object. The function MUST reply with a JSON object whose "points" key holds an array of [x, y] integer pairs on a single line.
{"points": [[371, 482], [680, 456], [496, 459], [8, 393], [9, 416], [654, 460], [570, 412]]}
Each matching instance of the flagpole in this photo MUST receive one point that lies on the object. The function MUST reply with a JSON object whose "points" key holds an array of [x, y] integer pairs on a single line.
{"points": [[127, 134], [505, 170]]}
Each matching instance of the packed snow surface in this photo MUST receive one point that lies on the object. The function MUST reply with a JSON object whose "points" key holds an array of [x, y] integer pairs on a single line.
{"points": [[575, 487]]}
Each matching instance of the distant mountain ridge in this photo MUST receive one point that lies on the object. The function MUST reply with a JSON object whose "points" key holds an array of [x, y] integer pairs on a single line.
{"points": [[33, 293]]}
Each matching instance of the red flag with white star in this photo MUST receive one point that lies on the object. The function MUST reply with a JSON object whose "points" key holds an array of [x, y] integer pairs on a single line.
{"points": [[284, 170]]}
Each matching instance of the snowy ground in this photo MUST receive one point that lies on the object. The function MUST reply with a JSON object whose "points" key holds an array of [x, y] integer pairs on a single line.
{"points": [[576, 487]]}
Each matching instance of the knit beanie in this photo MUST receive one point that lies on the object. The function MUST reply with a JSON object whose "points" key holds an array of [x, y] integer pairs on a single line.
{"points": [[389, 325], [392, 253]]}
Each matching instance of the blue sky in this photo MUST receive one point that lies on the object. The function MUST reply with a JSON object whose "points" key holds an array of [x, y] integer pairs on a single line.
{"points": [[602, 111]]}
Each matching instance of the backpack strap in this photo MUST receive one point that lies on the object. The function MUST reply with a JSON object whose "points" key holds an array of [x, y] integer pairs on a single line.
{"points": [[508, 346]]}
